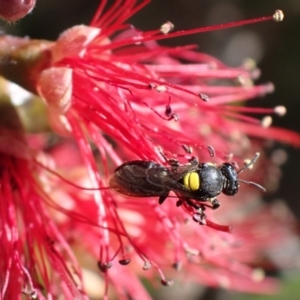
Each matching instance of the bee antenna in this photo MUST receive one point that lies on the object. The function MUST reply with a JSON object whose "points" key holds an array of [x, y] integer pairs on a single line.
{"points": [[253, 183], [251, 163]]}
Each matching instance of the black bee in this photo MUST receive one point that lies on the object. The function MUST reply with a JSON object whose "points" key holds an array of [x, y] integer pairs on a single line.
{"points": [[201, 182]]}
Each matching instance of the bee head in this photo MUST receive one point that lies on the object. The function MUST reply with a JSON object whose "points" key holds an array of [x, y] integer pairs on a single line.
{"points": [[231, 182], [231, 177]]}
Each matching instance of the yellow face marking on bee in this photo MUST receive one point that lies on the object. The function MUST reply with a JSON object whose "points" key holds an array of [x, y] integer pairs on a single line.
{"points": [[192, 181]]}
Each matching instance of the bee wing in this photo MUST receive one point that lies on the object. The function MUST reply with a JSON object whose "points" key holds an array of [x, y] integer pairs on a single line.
{"points": [[140, 179], [167, 180], [172, 176], [180, 171]]}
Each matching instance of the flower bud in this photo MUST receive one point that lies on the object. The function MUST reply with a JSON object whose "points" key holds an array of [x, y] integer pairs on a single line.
{"points": [[13, 10]]}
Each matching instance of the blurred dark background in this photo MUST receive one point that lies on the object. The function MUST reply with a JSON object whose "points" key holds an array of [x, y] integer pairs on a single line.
{"points": [[274, 46]]}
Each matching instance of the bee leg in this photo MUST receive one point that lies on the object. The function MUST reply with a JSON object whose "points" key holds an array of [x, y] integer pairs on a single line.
{"points": [[194, 160], [200, 216], [214, 203], [174, 163], [179, 202], [192, 204], [162, 199], [189, 202]]}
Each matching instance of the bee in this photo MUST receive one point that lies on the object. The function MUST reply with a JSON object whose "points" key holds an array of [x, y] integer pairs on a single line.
{"points": [[195, 183]]}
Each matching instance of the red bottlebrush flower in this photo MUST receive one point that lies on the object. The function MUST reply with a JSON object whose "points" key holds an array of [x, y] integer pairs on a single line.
{"points": [[28, 247], [113, 95]]}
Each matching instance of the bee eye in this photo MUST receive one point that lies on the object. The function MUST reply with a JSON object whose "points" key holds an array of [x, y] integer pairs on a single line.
{"points": [[231, 189], [230, 185]]}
